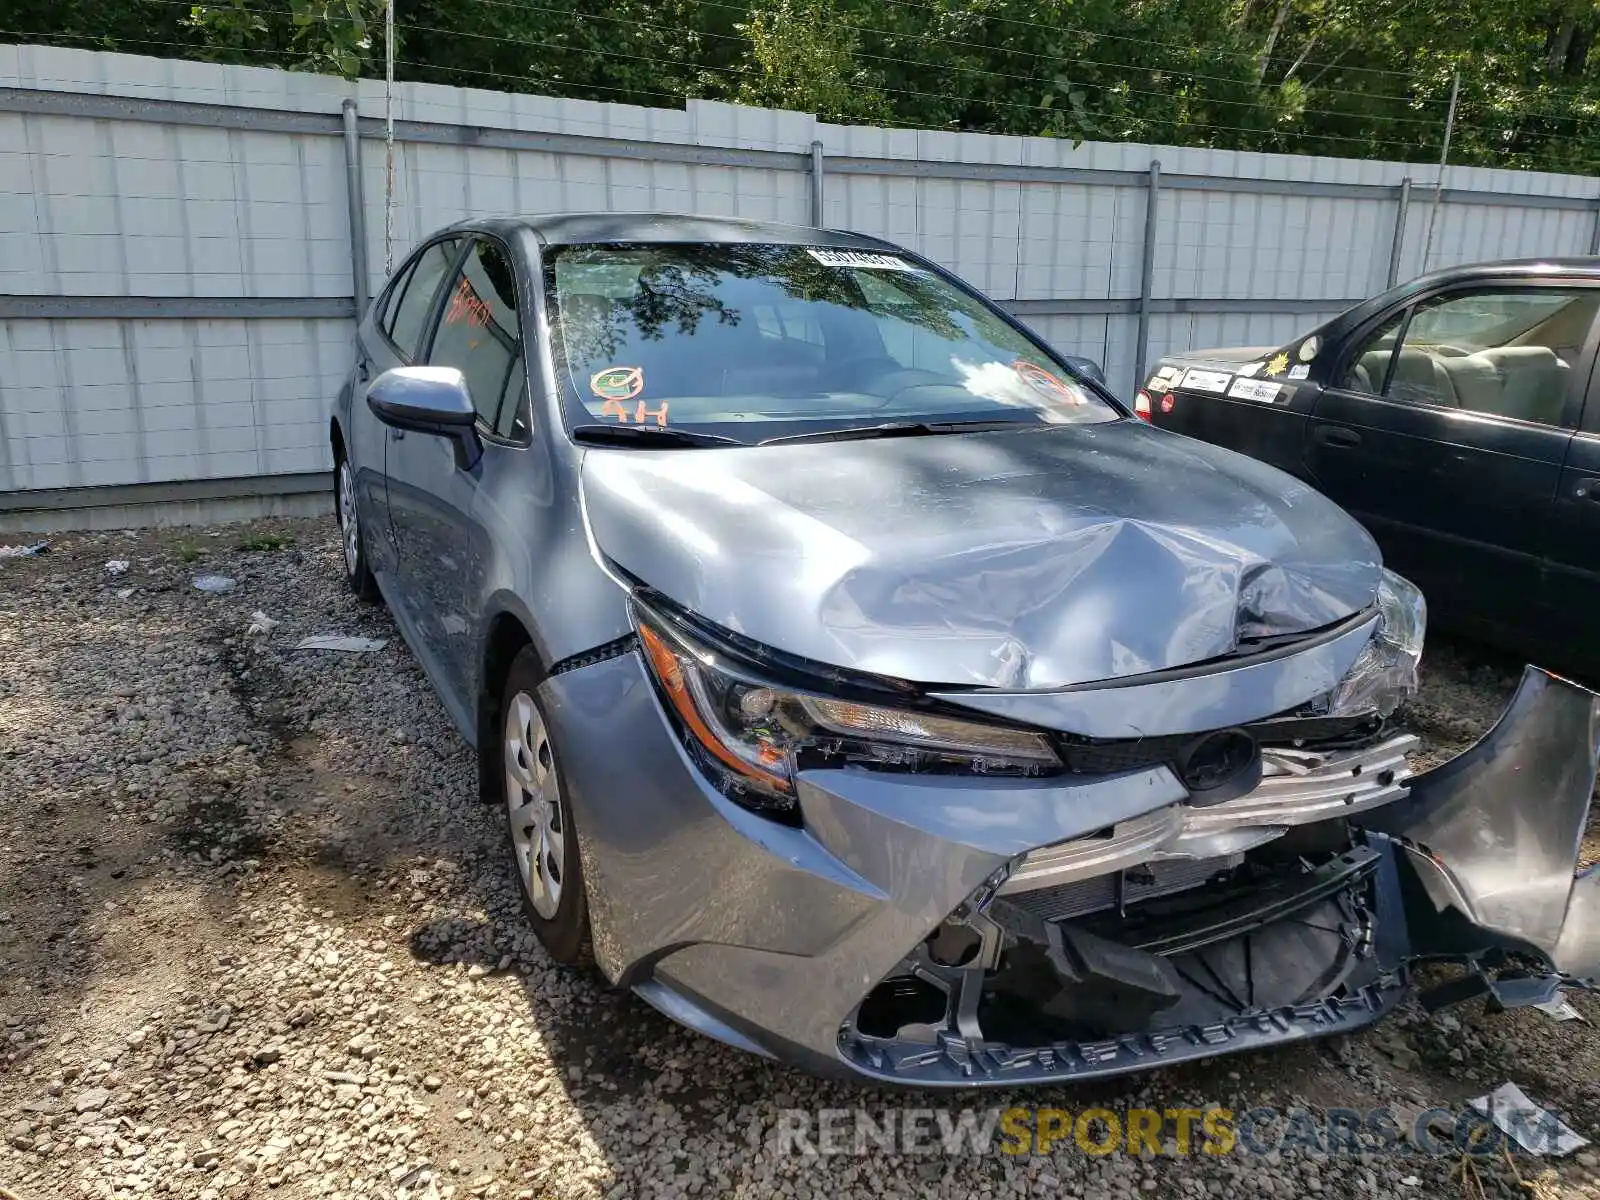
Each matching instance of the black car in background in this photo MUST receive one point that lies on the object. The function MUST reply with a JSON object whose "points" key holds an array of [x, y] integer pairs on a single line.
{"points": [[1457, 418]]}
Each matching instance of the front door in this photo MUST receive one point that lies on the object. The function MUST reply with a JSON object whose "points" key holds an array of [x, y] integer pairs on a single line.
{"points": [[437, 507], [1445, 432]]}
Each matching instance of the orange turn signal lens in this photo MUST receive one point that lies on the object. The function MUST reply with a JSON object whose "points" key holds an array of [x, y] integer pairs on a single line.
{"points": [[669, 670]]}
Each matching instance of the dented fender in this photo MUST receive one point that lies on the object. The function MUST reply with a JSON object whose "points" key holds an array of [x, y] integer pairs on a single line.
{"points": [[1494, 836]]}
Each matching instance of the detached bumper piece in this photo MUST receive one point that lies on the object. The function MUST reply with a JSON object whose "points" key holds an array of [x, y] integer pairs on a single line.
{"points": [[1491, 841], [1282, 952]]}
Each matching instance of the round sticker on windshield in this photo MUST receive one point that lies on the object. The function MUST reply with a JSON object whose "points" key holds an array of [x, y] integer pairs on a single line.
{"points": [[1046, 384], [617, 383], [1308, 349]]}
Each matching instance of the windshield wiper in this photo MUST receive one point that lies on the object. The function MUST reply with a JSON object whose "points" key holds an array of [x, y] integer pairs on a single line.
{"points": [[856, 433], [649, 435]]}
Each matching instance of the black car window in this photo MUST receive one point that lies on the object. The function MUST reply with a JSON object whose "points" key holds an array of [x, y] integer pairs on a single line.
{"points": [[1368, 367], [1506, 352], [478, 333], [412, 309]]}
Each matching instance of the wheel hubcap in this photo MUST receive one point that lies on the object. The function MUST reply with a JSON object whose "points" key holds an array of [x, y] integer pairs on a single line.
{"points": [[347, 517], [533, 805]]}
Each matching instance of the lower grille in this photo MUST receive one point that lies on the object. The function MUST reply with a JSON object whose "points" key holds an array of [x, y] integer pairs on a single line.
{"points": [[1068, 900]]}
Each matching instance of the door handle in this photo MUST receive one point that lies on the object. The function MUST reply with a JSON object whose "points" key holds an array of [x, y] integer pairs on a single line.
{"points": [[396, 435], [1588, 489], [1338, 436], [363, 370]]}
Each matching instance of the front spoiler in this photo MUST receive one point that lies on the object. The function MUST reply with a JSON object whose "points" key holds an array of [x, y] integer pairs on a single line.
{"points": [[953, 1065]]}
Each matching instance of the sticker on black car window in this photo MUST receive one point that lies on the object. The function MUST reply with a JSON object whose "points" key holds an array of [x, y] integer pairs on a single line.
{"points": [[861, 259]]}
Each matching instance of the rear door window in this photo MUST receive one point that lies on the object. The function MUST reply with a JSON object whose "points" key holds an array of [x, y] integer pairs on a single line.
{"points": [[409, 313], [1506, 352]]}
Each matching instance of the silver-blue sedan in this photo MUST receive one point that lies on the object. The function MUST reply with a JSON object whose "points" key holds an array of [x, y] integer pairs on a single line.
{"points": [[864, 686]]}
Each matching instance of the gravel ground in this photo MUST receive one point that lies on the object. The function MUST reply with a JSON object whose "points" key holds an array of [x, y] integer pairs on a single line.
{"points": [[257, 933]]}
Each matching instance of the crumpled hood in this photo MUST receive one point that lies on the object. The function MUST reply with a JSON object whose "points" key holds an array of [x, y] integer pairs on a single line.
{"points": [[1016, 560]]}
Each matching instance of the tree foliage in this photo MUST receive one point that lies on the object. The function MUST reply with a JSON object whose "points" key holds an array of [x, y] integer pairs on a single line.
{"points": [[1351, 78]]}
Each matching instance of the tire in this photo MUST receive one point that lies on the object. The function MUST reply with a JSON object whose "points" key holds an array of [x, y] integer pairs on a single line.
{"points": [[527, 782], [351, 536]]}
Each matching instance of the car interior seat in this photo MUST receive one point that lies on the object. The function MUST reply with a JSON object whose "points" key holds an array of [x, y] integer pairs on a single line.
{"points": [[1526, 382], [1420, 378]]}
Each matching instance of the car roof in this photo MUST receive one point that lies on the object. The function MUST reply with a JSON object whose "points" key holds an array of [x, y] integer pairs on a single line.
{"points": [[566, 229], [1574, 265]]}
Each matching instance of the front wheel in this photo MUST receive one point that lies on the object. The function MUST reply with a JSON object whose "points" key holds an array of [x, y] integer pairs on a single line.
{"points": [[356, 571], [544, 844]]}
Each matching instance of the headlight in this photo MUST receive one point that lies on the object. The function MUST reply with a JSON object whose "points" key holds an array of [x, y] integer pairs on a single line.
{"points": [[1385, 673], [751, 735]]}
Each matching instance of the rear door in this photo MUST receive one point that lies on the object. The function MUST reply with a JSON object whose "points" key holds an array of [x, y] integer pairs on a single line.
{"points": [[1258, 405], [1444, 430], [402, 317], [1572, 562]]}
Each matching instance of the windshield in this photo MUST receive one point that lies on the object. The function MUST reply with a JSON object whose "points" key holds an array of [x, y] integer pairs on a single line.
{"points": [[752, 342]]}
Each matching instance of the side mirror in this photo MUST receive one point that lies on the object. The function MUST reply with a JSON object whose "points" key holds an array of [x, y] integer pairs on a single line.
{"points": [[1086, 366], [432, 400]]}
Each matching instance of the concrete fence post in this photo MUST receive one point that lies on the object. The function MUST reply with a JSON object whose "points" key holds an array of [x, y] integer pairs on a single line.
{"points": [[1147, 272], [1397, 247], [816, 184], [358, 208]]}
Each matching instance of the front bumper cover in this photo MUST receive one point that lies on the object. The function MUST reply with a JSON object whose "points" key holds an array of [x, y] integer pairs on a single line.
{"points": [[769, 937]]}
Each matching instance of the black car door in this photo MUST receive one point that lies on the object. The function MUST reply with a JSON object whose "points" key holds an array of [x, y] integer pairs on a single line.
{"points": [[1444, 431], [1572, 554]]}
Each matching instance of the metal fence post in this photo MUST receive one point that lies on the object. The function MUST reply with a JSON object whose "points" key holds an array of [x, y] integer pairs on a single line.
{"points": [[816, 184], [1147, 272], [1396, 247], [358, 208]]}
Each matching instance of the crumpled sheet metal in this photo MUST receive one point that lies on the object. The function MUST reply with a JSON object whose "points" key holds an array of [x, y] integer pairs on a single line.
{"points": [[1015, 560], [1502, 824]]}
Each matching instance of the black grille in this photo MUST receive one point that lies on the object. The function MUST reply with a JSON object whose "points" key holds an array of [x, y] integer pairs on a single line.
{"points": [[1086, 756], [1107, 758]]}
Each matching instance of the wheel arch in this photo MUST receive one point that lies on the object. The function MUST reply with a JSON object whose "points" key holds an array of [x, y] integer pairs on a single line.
{"points": [[506, 633]]}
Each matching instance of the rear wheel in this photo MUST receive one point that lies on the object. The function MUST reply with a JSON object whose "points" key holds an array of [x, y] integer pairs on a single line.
{"points": [[543, 842], [356, 571]]}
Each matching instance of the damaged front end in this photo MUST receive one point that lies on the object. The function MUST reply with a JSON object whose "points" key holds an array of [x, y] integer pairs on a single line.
{"points": [[1289, 911]]}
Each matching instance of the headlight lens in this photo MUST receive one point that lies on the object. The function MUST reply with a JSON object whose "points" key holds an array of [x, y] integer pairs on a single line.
{"points": [[751, 735], [1385, 673]]}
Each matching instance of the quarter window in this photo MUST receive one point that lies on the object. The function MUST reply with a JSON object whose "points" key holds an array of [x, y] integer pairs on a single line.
{"points": [[1504, 353], [409, 315], [478, 333]]}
